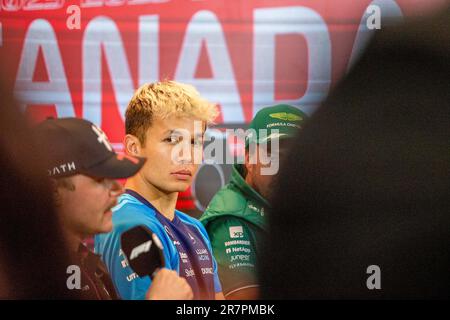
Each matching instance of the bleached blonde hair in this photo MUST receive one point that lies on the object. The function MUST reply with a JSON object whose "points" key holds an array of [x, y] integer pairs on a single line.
{"points": [[164, 99]]}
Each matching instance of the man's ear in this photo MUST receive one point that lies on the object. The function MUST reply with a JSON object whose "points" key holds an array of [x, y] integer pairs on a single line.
{"points": [[132, 145], [247, 165], [55, 192]]}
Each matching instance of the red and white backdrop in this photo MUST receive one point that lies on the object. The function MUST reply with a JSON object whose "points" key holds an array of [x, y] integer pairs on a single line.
{"points": [[240, 54]]}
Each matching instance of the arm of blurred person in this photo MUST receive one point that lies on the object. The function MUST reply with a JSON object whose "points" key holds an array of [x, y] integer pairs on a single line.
{"points": [[236, 259], [251, 293], [167, 285]]}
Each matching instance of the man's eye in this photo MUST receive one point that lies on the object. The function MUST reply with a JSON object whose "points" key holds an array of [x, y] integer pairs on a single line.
{"points": [[173, 139]]}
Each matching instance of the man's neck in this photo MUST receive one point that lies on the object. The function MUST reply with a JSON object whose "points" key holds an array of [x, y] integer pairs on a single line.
{"points": [[249, 181], [73, 240], [164, 202]]}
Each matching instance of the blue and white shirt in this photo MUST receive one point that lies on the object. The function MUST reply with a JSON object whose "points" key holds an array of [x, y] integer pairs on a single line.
{"points": [[187, 248]]}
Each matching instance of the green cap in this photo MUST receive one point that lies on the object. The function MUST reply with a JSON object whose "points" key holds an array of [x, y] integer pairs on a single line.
{"points": [[282, 117]]}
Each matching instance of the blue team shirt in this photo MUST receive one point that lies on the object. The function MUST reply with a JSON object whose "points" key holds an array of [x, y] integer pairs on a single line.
{"points": [[187, 248]]}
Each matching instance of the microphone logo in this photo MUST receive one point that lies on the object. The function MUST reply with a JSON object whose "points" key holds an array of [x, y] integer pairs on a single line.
{"points": [[142, 248]]}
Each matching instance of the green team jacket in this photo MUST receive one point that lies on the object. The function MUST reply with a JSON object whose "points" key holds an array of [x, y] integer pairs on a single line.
{"points": [[235, 223]]}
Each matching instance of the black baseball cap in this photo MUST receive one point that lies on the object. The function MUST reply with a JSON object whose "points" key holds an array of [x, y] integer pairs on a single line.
{"points": [[77, 146]]}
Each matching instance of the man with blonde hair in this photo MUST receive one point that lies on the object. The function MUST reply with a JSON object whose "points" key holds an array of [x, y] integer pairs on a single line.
{"points": [[161, 120]]}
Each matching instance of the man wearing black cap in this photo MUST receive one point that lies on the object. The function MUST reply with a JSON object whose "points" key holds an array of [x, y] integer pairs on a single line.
{"points": [[83, 167]]}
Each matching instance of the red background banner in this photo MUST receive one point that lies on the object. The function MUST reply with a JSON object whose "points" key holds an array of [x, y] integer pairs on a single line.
{"points": [[240, 54]]}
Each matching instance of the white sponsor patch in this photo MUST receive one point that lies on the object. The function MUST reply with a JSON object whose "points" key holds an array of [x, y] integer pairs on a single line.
{"points": [[236, 232]]}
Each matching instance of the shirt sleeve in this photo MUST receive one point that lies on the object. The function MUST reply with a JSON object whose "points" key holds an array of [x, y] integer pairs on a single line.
{"points": [[234, 249], [217, 284]]}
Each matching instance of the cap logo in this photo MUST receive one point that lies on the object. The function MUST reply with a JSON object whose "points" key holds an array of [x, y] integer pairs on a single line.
{"points": [[285, 116], [66, 167], [102, 138]]}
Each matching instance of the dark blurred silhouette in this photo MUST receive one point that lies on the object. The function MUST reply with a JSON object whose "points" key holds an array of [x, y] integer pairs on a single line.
{"points": [[32, 251], [368, 180]]}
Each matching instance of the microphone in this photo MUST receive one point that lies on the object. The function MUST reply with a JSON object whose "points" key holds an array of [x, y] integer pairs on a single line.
{"points": [[143, 250]]}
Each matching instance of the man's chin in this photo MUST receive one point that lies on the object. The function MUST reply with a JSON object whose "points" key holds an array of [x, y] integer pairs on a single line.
{"points": [[104, 230], [183, 187], [178, 186], [106, 227]]}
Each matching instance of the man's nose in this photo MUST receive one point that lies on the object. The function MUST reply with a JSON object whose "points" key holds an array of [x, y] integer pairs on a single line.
{"points": [[186, 155]]}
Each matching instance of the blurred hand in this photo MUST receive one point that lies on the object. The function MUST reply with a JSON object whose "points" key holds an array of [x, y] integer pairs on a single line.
{"points": [[167, 285]]}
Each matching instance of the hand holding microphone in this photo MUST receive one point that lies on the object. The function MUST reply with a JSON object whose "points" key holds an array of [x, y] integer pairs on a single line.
{"points": [[167, 285], [144, 253]]}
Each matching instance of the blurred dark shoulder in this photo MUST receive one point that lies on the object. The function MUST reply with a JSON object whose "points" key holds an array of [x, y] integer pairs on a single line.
{"points": [[33, 259]]}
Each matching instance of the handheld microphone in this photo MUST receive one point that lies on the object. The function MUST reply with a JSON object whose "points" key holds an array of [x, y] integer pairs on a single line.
{"points": [[143, 250]]}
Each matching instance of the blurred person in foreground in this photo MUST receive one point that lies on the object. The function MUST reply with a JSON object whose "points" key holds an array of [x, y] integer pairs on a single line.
{"points": [[362, 208], [165, 123], [236, 216], [28, 223], [84, 167]]}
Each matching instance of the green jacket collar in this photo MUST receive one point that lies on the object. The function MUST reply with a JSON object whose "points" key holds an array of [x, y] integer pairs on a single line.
{"points": [[237, 199]]}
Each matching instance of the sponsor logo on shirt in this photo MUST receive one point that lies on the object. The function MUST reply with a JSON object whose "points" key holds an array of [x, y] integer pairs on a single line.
{"points": [[236, 232], [241, 249], [207, 271], [192, 238], [184, 257], [189, 273], [201, 251], [239, 265], [238, 250], [132, 276], [237, 242], [124, 263], [242, 257]]}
